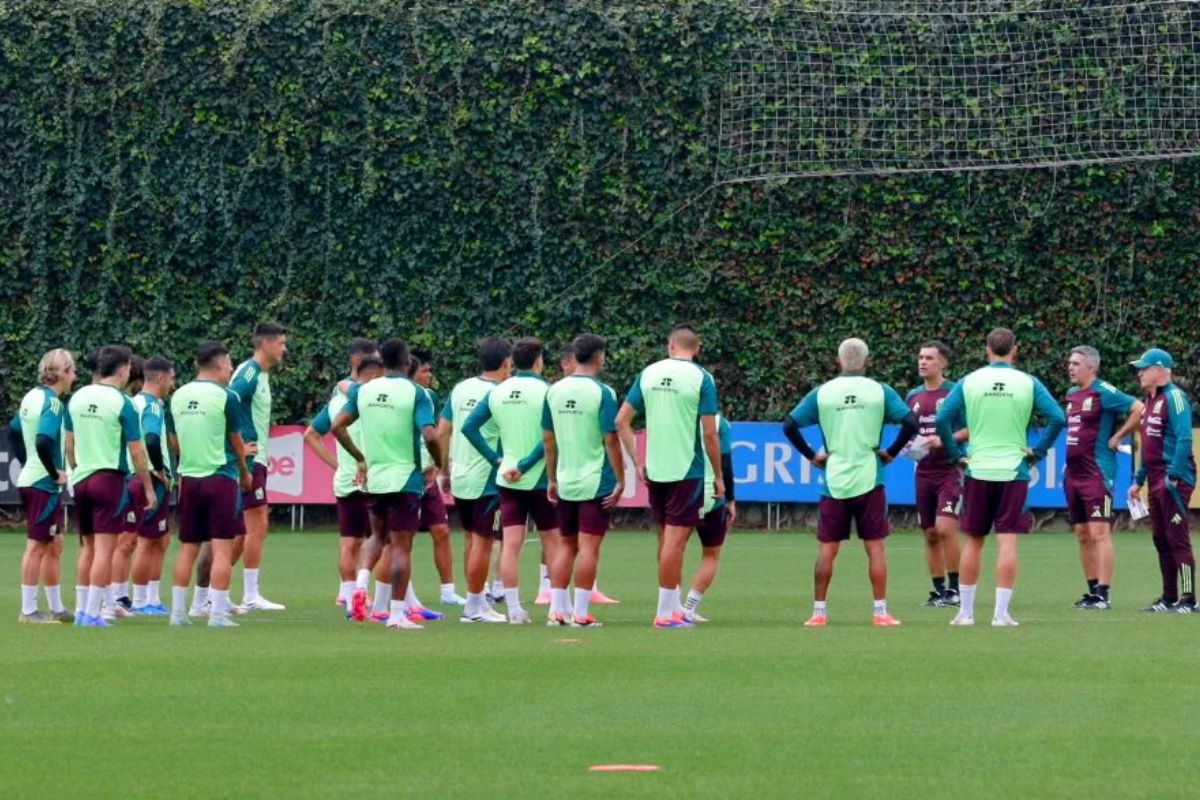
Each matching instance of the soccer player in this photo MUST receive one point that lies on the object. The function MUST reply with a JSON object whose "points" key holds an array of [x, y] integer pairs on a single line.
{"points": [[1168, 471], [939, 480], [717, 517], [117, 602], [472, 479], [212, 467], [395, 415], [516, 406], [153, 534], [37, 442], [585, 471], [433, 505], [251, 383], [1092, 409], [353, 504], [101, 424], [999, 401], [852, 410], [679, 401]]}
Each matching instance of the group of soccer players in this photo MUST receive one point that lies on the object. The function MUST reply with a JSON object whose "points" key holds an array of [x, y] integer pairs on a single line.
{"points": [[984, 488], [514, 451], [114, 442]]}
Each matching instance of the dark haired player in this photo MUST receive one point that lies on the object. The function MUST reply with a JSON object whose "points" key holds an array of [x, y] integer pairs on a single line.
{"points": [[938, 479], [1000, 402], [515, 406]]}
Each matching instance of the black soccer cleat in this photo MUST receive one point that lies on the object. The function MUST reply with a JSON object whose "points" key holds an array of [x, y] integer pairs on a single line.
{"points": [[949, 599], [935, 600], [1160, 606], [1185, 607], [1096, 603], [125, 603], [1083, 601]]}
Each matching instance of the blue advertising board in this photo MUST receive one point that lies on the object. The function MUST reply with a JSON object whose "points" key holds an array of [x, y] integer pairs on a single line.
{"points": [[768, 469]]}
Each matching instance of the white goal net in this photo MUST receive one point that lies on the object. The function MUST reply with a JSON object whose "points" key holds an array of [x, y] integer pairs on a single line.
{"points": [[842, 87]]}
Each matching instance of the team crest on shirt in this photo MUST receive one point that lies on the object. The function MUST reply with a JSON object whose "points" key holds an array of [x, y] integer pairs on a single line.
{"points": [[938, 405], [1087, 404]]}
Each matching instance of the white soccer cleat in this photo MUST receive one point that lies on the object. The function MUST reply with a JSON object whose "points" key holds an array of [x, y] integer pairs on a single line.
{"points": [[403, 623], [221, 621], [1004, 622], [198, 613], [453, 599], [261, 603], [179, 621], [962, 620], [694, 616], [519, 616]]}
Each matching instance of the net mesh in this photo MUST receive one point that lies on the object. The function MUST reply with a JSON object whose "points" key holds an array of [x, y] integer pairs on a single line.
{"points": [[843, 87]]}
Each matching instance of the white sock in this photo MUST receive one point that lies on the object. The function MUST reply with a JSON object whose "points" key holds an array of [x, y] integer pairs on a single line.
{"points": [[347, 590], [220, 602], [383, 596], [54, 599], [693, 600], [819, 608], [28, 599], [152, 596], [497, 588], [881, 608], [966, 599], [582, 598], [178, 601], [398, 611], [448, 590], [94, 598], [139, 596], [249, 584], [474, 604], [512, 598], [123, 589], [81, 598], [362, 579], [410, 597], [200, 598], [666, 604], [678, 605], [111, 594], [1003, 596], [560, 601], [543, 579]]}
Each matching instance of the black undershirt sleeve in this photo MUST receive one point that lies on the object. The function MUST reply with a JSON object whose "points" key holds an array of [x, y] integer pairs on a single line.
{"points": [[45, 451], [791, 429]]}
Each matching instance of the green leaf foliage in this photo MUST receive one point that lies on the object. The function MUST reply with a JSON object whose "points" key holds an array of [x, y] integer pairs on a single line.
{"points": [[176, 170]]}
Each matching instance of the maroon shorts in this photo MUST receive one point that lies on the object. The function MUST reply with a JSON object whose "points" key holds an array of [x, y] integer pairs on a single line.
{"points": [[1088, 500], [257, 496], [939, 494], [676, 502], [354, 515], [209, 508], [156, 523], [713, 528], [400, 510], [433, 508], [479, 516], [1002, 505], [869, 512], [519, 505], [43, 514], [102, 503], [582, 516]]}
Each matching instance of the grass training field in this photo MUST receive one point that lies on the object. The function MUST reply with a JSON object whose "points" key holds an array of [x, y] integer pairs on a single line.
{"points": [[303, 704]]}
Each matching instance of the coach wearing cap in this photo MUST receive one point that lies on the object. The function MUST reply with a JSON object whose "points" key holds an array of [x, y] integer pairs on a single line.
{"points": [[1169, 470]]}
